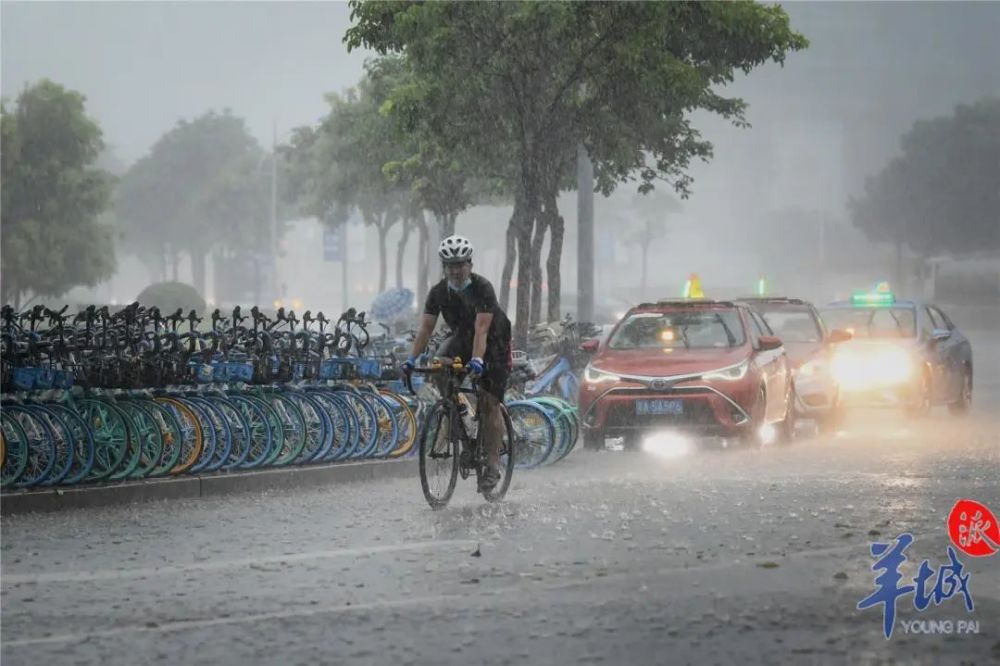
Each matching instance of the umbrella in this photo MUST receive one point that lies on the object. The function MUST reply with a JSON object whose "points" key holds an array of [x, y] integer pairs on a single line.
{"points": [[392, 305]]}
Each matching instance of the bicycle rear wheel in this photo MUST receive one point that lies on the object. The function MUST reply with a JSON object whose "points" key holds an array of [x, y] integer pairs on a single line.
{"points": [[535, 433], [439, 450], [15, 458], [507, 459]]}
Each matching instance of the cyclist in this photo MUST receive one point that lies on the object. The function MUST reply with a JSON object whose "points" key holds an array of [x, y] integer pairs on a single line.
{"points": [[481, 334]]}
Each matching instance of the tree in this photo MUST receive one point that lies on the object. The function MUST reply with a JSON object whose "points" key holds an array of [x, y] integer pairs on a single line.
{"points": [[169, 296], [198, 187], [338, 167], [942, 194], [52, 195], [651, 211], [520, 85]]}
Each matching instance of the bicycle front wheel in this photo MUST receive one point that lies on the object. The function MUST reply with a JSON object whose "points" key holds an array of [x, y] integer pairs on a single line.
{"points": [[439, 451], [507, 459]]}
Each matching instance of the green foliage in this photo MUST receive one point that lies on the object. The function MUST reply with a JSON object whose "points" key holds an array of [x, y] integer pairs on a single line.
{"points": [[515, 87], [52, 195], [942, 194], [520, 84], [168, 296], [201, 186]]}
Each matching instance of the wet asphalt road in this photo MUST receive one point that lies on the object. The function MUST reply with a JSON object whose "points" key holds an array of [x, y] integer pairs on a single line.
{"points": [[715, 557]]}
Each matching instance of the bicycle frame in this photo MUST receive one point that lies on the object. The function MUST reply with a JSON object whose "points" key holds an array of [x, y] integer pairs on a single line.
{"points": [[559, 373]]}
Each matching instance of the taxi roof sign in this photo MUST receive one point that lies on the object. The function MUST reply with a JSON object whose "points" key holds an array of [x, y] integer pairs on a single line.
{"points": [[873, 298], [692, 287]]}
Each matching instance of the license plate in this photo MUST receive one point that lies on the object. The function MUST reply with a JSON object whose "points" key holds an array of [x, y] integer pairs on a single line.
{"points": [[646, 407]]}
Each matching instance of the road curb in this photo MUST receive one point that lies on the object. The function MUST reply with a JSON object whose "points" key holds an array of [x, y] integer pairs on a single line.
{"points": [[209, 485], [305, 477]]}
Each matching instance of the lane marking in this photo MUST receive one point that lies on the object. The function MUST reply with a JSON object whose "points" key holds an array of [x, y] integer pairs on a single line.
{"points": [[482, 596], [181, 625], [214, 565]]}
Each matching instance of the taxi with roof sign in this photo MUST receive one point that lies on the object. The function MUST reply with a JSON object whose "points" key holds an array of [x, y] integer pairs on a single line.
{"points": [[691, 365], [902, 353], [810, 346]]}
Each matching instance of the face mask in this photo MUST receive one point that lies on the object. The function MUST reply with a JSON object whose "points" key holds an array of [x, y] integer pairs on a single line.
{"points": [[465, 284]]}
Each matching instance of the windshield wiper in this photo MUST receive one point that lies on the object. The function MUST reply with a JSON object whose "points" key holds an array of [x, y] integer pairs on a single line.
{"points": [[729, 334], [684, 338]]}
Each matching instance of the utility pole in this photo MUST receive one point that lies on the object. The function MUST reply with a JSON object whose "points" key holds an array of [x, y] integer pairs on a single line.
{"points": [[585, 238], [343, 267], [274, 209]]}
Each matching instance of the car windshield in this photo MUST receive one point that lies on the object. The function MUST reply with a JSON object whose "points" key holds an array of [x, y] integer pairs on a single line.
{"points": [[679, 330], [793, 324], [875, 323]]}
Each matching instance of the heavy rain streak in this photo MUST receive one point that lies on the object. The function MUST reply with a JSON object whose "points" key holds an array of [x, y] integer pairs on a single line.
{"points": [[500, 333]]}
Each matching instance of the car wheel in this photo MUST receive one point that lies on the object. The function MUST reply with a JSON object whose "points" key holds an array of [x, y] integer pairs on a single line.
{"points": [[786, 428], [831, 422], [920, 404], [961, 406], [593, 440], [751, 436]]}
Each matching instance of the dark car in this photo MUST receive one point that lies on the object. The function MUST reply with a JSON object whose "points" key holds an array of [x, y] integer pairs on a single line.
{"points": [[902, 353], [810, 346]]}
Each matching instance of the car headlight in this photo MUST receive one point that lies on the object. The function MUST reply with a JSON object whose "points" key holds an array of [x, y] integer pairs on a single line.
{"points": [[730, 373], [869, 369], [813, 368], [592, 375]]}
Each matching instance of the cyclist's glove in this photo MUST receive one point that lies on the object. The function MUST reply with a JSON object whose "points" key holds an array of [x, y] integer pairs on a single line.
{"points": [[475, 367], [407, 366]]}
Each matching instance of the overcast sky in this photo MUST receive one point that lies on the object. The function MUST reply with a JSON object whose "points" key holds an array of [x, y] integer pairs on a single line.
{"points": [[830, 117], [145, 65]]}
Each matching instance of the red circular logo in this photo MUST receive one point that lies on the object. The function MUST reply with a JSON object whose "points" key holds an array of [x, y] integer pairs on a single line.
{"points": [[973, 528]]}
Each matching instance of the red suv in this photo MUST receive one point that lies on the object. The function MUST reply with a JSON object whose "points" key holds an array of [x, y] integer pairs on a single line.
{"points": [[709, 367]]}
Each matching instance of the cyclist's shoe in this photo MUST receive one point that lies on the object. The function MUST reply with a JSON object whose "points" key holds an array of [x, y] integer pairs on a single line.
{"points": [[489, 479]]}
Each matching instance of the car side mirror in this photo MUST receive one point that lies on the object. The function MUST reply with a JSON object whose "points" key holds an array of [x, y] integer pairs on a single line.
{"points": [[939, 334], [839, 335], [590, 346], [769, 343]]}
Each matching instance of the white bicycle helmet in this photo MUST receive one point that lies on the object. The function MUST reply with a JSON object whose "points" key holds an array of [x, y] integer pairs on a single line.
{"points": [[455, 250]]}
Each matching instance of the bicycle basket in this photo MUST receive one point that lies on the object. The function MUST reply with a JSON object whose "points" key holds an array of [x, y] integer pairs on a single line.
{"points": [[200, 372], [220, 371], [63, 379], [23, 379], [240, 371], [44, 377], [336, 368], [369, 368]]}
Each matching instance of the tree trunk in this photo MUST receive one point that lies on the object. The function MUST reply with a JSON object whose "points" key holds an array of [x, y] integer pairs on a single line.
{"points": [[174, 259], [524, 270], [541, 225], [401, 251], [198, 269], [422, 260], [448, 225], [509, 257], [383, 231], [524, 225], [645, 258], [552, 267], [585, 235]]}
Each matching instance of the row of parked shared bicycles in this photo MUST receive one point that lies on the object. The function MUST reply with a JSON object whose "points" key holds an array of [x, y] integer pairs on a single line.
{"points": [[101, 396]]}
